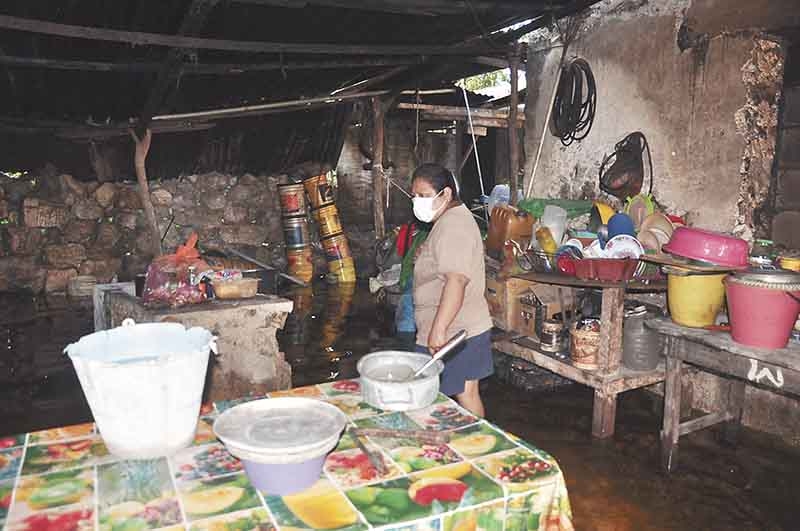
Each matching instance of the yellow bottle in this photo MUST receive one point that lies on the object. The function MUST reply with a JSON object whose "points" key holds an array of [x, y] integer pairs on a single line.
{"points": [[546, 241]]}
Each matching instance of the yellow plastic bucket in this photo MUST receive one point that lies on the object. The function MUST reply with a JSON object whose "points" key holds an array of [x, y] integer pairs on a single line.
{"points": [[792, 263], [694, 299]]}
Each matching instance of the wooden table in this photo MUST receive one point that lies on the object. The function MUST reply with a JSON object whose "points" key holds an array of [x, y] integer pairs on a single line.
{"points": [[716, 352], [65, 478], [611, 378]]}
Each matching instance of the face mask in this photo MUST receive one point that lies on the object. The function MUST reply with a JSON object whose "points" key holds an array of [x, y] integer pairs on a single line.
{"points": [[423, 208]]}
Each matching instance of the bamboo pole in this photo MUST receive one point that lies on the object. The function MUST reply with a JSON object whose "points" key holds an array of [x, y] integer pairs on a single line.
{"points": [[378, 113], [513, 138]]}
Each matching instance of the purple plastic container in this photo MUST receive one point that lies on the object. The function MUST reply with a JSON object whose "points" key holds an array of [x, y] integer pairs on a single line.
{"points": [[284, 479]]}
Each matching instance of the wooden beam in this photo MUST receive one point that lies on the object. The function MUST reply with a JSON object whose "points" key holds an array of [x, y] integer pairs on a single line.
{"points": [[513, 138], [490, 61], [192, 22], [478, 123], [378, 114], [178, 41], [370, 82], [411, 7], [453, 111]]}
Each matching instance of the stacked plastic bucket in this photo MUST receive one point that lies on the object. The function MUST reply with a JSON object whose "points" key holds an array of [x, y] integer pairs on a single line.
{"points": [[295, 231], [341, 268]]}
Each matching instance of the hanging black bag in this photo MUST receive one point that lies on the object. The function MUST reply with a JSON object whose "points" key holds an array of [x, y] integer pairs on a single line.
{"points": [[625, 175]]}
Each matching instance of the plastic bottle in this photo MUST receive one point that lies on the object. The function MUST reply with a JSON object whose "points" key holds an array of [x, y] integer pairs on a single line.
{"points": [[546, 241]]}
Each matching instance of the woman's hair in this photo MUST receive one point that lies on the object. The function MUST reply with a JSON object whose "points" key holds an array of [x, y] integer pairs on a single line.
{"points": [[438, 177]]}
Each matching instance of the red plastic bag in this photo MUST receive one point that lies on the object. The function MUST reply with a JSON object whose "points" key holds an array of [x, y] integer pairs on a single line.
{"points": [[169, 281]]}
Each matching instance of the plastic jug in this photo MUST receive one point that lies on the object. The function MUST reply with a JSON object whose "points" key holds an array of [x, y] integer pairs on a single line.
{"points": [[555, 219], [144, 384]]}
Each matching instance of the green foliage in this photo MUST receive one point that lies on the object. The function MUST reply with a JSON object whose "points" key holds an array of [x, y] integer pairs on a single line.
{"points": [[483, 81]]}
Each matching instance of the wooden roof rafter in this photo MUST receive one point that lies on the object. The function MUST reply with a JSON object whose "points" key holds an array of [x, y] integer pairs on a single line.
{"points": [[180, 41]]}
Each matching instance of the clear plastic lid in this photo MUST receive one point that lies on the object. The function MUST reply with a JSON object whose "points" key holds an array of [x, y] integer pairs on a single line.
{"points": [[280, 425]]}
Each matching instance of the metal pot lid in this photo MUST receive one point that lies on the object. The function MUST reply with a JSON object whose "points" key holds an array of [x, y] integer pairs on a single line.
{"points": [[768, 278]]}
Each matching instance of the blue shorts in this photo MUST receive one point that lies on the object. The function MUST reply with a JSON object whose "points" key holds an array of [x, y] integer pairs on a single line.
{"points": [[472, 361]]}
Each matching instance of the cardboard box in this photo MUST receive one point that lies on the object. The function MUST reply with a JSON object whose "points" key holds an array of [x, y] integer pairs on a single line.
{"points": [[503, 299]]}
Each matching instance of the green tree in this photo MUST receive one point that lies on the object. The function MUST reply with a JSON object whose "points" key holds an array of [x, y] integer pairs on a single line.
{"points": [[482, 81]]}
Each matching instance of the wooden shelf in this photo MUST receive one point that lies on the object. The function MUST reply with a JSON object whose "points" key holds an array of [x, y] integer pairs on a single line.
{"points": [[620, 380], [574, 282]]}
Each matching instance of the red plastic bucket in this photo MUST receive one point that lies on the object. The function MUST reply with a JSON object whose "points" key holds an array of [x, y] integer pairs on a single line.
{"points": [[761, 317]]}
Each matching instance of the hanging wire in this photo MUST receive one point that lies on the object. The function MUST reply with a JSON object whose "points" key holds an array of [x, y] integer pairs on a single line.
{"points": [[477, 158], [575, 102]]}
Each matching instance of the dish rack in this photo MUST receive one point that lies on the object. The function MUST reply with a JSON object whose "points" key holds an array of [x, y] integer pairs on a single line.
{"points": [[603, 269]]}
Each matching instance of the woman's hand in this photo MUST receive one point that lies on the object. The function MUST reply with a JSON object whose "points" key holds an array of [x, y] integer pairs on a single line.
{"points": [[449, 306], [436, 339]]}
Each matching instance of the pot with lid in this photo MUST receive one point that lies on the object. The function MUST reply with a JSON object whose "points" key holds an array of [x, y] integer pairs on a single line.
{"points": [[763, 306], [282, 442]]}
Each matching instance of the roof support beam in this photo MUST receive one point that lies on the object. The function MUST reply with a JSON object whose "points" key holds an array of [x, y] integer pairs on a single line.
{"points": [[192, 22], [202, 68], [411, 7], [178, 41]]}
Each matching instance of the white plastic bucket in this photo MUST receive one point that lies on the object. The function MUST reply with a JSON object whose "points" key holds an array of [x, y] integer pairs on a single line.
{"points": [[144, 384]]}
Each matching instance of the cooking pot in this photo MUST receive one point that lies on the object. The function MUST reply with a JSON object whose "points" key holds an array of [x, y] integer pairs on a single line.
{"points": [[398, 395]]}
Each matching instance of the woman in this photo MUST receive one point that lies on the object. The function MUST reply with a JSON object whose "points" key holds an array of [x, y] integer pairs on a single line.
{"points": [[449, 284]]}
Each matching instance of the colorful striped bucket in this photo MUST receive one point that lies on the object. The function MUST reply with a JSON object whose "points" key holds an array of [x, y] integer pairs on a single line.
{"points": [[328, 219], [336, 248], [293, 199], [319, 191]]}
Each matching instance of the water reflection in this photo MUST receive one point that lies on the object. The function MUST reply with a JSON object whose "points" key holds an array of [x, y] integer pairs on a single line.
{"points": [[331, 327]]}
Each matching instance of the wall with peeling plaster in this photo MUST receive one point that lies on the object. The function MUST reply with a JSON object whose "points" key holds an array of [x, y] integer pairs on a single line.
{"points": [[683, 96], [704, 92]]}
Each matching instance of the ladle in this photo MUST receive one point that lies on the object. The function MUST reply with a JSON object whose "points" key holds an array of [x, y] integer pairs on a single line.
{"points": [[454, 341]]}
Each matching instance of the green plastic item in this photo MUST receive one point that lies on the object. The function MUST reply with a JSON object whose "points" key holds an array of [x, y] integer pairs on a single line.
{"points": [[574, 207]]}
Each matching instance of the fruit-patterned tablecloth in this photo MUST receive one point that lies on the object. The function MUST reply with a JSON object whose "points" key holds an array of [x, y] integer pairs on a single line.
{"points": [[484, 479]]}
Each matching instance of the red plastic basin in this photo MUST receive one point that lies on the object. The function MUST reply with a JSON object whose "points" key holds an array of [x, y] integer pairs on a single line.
{"points": [[708, 246]]}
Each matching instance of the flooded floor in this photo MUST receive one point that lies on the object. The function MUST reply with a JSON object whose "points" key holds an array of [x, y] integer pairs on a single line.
{"points": [[614, 485]]}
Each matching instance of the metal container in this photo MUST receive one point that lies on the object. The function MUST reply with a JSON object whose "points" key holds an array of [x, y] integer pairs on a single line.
{"points": [[328, 219], [642, 348], [551, 336], [585, 344], [399, 395], [295, 232], [293, 199]]}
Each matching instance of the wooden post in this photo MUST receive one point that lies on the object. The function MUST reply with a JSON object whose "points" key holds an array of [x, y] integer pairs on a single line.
{"points": [[378, 183], [513, 139], [735, 407], [611, 316], [672, 408], [604, 414], [142, 147]]}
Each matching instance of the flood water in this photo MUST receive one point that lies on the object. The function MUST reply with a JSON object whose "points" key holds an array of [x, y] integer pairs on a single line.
{"points": [[615, 485]]}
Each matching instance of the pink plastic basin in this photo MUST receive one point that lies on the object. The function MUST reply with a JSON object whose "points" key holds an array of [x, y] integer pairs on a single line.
{"points": [[708, 246]]}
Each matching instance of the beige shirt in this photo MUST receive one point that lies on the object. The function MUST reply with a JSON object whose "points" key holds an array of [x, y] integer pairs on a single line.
{"points": [[453, 246]]}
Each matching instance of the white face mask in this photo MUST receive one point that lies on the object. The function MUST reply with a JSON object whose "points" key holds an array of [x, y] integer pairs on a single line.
{"points": [[423, 208]]}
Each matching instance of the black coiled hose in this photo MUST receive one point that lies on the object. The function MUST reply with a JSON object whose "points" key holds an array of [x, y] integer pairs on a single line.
{"points": [[574, 103]]}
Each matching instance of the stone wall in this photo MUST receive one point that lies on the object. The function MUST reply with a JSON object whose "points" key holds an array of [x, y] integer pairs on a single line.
{"points": [[54, 227]]}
